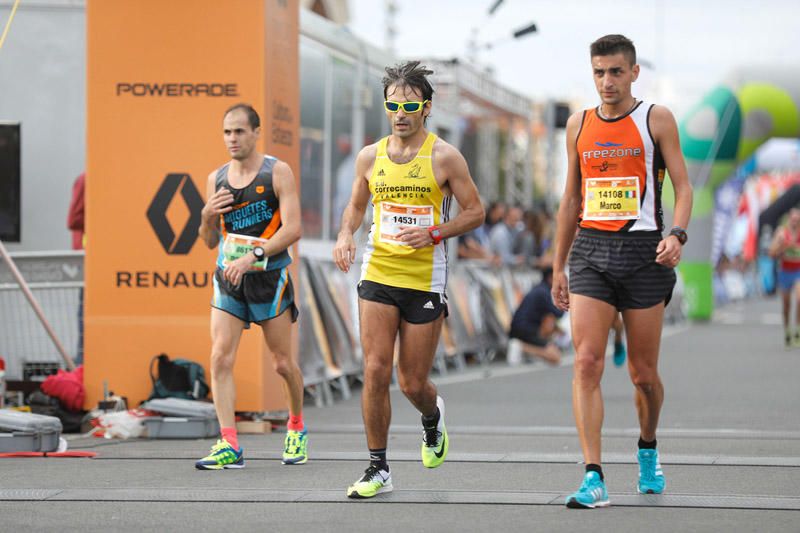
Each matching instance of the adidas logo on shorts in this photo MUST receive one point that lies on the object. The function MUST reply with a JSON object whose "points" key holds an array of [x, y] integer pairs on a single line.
{"points": [[428, 305]]}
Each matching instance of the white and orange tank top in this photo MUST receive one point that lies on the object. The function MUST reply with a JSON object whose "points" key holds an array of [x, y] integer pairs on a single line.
{"points": [[622, 172], [405, 195]]}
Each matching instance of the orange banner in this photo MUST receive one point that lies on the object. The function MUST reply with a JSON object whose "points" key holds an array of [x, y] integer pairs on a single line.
{"points": [[159, 77]]}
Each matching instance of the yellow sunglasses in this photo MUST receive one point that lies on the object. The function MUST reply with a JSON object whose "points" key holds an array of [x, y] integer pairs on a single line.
{"points": [[408, 107]]}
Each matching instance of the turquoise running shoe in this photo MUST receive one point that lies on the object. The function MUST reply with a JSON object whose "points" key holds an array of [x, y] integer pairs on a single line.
{"points": [[592, 493], [374, 481], [222, 456], [651, 477], [295, 450], [619, 353]]}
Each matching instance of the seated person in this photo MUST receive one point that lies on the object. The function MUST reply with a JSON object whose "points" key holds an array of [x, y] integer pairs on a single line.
{"points": [[534, 322]]}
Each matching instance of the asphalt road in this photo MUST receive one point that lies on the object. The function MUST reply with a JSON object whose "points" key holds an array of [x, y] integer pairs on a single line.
{"points": [[729, 441]]}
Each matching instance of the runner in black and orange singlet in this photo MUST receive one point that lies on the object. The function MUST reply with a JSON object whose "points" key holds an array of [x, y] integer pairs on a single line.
{"points": [[618, 153], [252, 216]]}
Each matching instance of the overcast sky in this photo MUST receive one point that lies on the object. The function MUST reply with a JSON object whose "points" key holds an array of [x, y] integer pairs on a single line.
{"points": [[692, 44]]}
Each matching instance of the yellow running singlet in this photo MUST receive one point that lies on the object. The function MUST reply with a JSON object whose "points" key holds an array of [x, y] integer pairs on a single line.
{"points": [[405, 195]]}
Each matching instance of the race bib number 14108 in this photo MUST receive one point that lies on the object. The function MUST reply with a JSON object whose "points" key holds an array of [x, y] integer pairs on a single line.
{"points": [[611, 199]]}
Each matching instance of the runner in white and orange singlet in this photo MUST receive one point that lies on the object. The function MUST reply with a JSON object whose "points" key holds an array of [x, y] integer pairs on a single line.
{"points": [[619, 262]]}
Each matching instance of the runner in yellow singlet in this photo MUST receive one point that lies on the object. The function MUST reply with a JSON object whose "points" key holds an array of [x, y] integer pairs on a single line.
{"points": [[410, 177]]}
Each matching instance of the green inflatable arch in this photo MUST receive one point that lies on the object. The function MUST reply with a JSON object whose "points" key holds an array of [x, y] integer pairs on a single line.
{"points": [[719, 133]]}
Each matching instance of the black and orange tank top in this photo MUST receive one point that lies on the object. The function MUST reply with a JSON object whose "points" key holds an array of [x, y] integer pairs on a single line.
{"points": [[255, 218]]}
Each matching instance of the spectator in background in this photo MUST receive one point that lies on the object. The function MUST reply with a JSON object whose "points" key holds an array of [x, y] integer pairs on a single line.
{"points": [[75, 216], [475, 244], [75, 223], [534, 242], [720, 272], [535, 321], [548, 233], [502, 237], [494, 215], [345, 171], [470, 247]]}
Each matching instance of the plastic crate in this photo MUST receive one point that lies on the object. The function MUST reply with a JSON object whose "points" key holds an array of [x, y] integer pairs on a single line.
{"points": [[28, 432], [169, 427]]}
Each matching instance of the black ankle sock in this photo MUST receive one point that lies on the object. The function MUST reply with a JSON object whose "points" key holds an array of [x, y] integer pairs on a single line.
{"points": [[644, 445], [430, 422], [591, 467], [377, 457]]}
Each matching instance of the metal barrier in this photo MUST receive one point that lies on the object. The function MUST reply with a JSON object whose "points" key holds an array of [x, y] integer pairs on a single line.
{"points": [[56, 280], [481, 301]]}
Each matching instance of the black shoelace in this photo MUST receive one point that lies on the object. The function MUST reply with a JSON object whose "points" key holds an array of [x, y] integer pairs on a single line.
{"points": [[371, 472], [431, 436]]}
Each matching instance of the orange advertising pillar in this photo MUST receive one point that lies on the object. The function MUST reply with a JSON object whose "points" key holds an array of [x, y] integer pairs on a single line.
{"points": [[159, 78]]}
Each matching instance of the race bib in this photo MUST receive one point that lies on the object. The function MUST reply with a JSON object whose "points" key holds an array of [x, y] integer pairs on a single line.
{"points": [[396, 216], [236, 246], [611, 199]]}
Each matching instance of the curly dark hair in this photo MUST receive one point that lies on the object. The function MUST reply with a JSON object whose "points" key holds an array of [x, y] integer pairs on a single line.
{"points": [[410, 74]]}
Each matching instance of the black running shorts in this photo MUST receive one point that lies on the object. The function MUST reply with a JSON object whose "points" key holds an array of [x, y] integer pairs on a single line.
{"points": [[620, 269], [416, 307]]}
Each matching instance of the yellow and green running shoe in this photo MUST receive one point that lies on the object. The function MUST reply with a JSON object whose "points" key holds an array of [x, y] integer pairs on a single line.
{"points": [[374, 481], [295, 449], [434, 440], [222, 455]]}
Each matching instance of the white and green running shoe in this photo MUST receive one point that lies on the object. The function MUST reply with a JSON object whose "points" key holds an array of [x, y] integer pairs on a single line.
{"points": [[222, 455], [434, 441], [374, 481], [295, 447]]}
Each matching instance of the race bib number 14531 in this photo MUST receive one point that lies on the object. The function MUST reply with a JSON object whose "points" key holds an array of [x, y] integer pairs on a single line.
{"points": [[396, 216]]}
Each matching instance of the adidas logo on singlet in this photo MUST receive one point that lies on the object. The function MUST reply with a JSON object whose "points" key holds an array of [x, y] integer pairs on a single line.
{"points": [[381, 172], [428, 305]]}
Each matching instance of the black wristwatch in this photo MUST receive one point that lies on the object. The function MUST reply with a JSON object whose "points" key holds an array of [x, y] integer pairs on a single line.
{"points": [[259, 253], [680, 233]]}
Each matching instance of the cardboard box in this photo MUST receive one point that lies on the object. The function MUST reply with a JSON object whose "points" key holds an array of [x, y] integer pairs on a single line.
{"points": [[254, 426]]}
